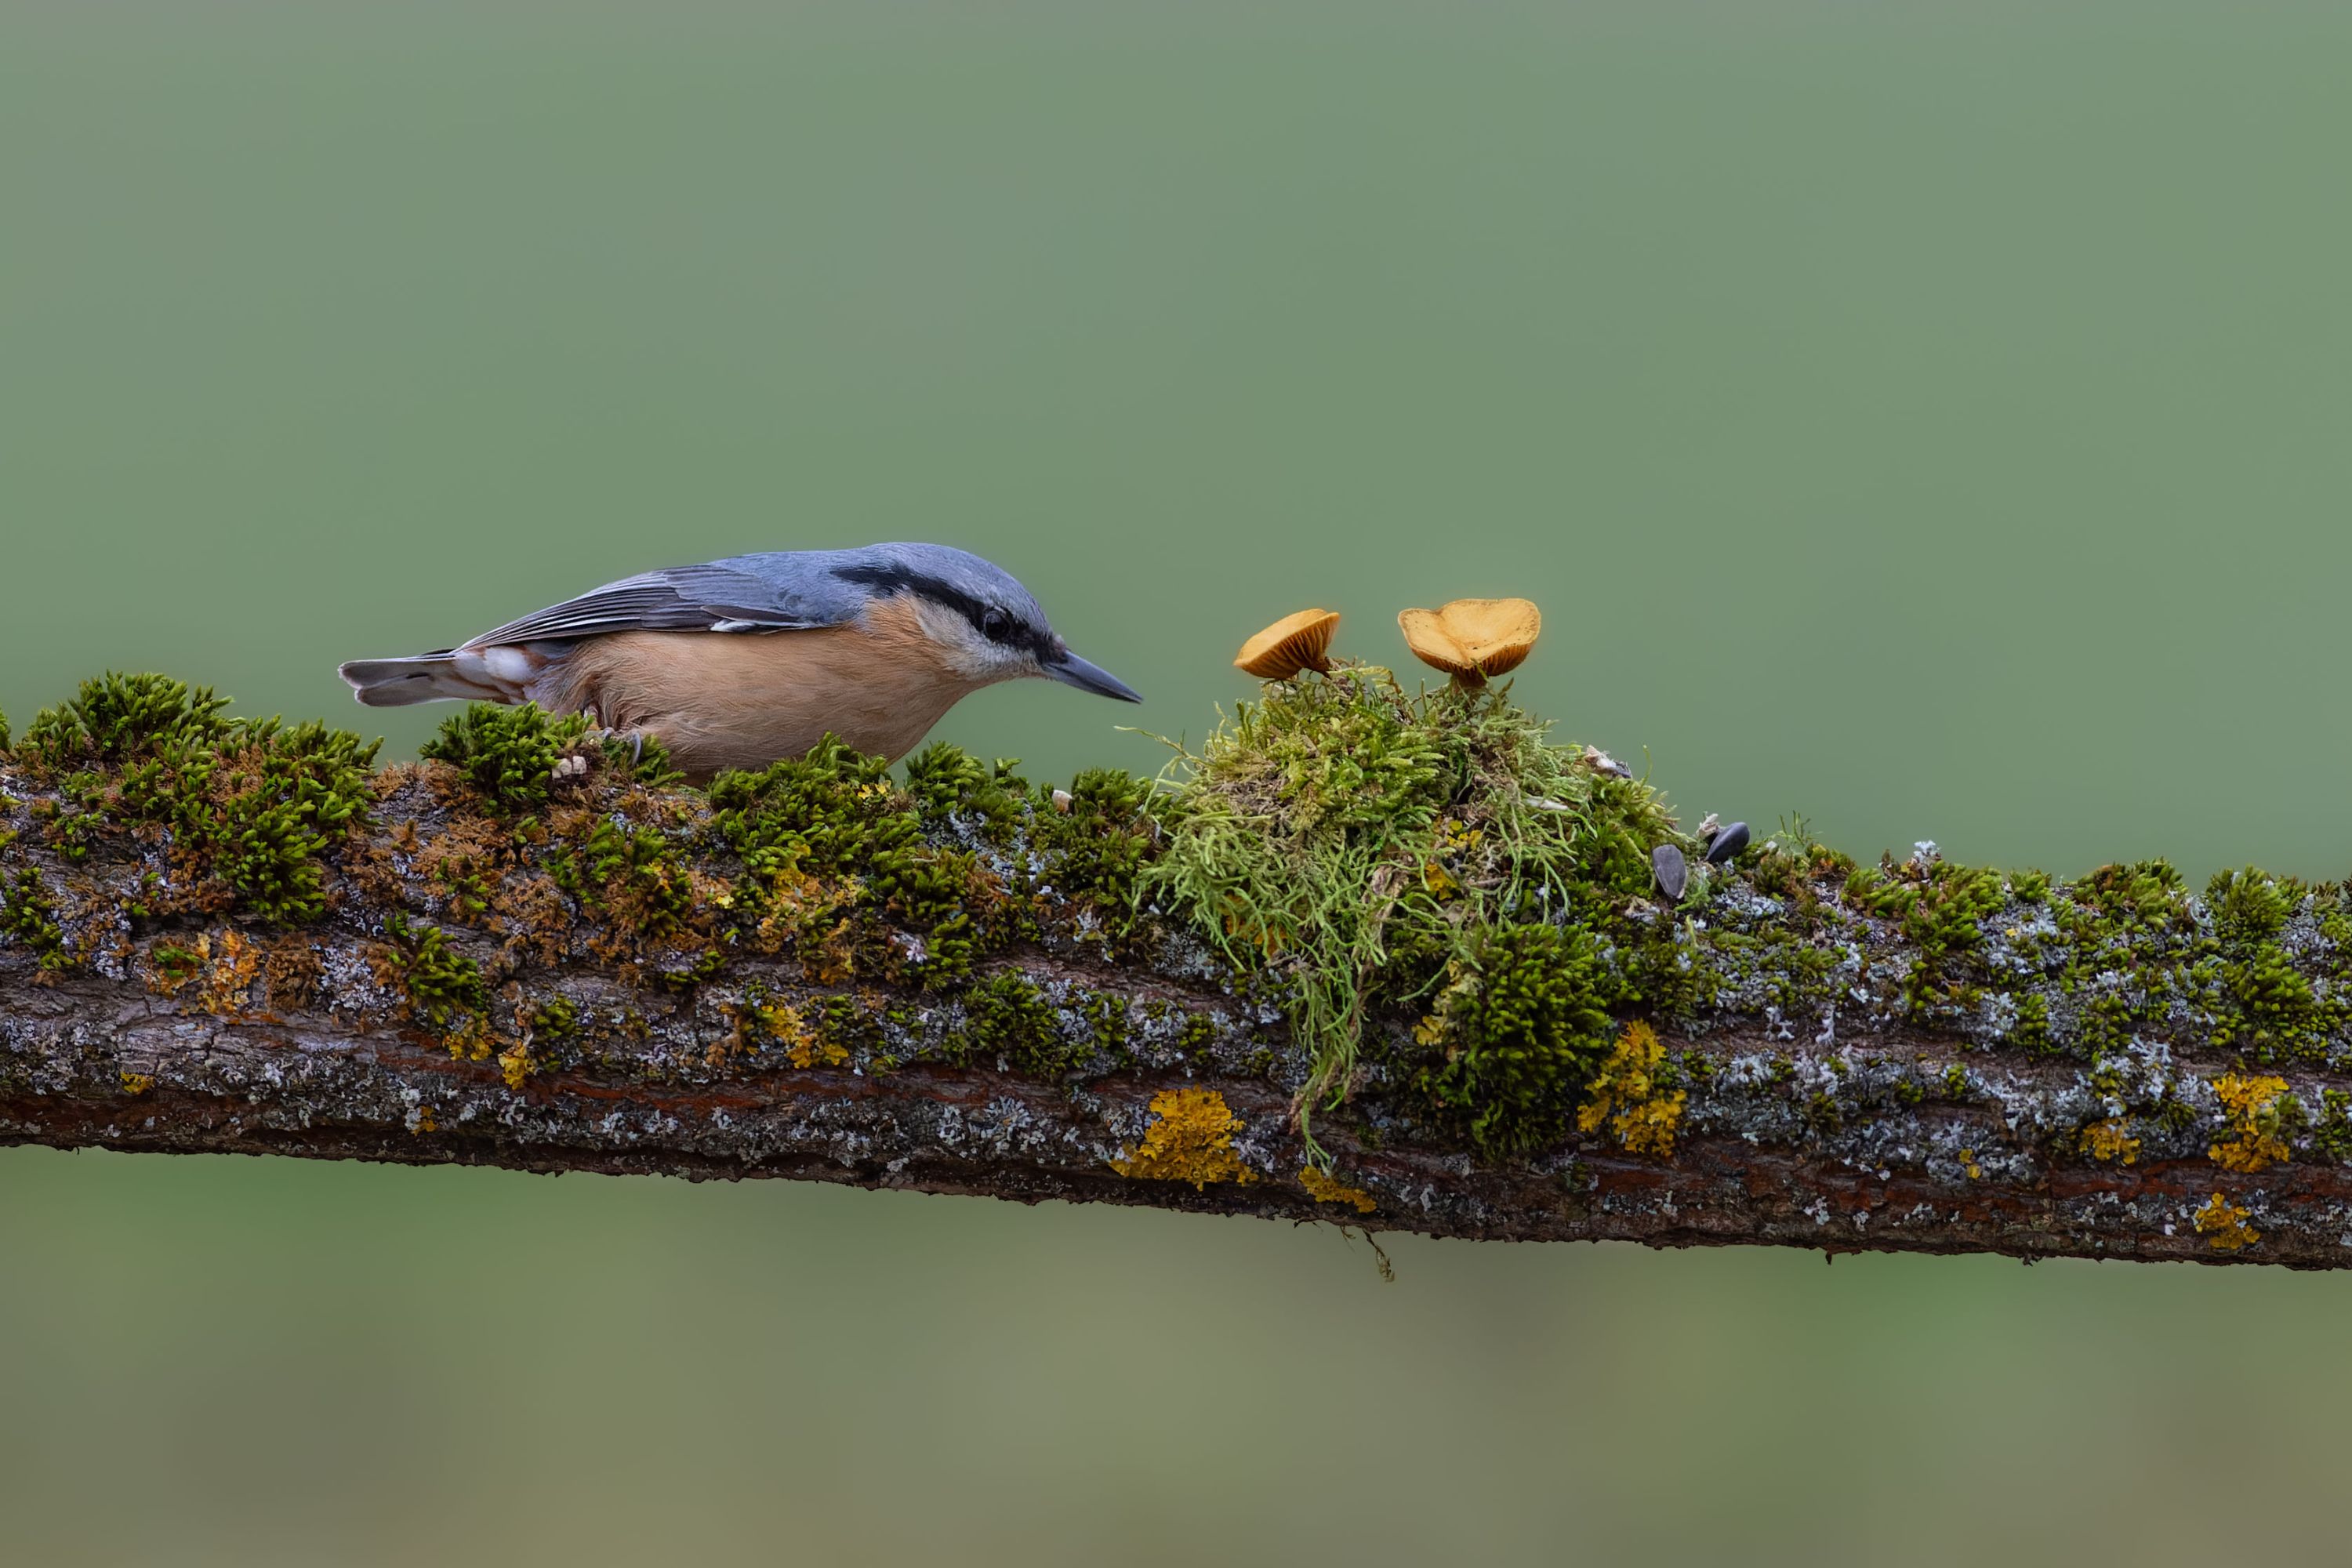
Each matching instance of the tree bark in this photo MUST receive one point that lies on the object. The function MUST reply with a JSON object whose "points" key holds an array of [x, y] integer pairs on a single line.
{"points": [[177, 1025]]}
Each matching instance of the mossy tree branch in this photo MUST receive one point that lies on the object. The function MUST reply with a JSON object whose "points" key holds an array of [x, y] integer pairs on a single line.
{"points": [[227, 938]]}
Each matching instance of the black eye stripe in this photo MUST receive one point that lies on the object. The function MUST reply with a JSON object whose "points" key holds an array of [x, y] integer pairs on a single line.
{"points": [[1006, 629]]}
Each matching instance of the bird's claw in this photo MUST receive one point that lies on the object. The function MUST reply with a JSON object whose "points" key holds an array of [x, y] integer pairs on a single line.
{"points": [[594, 743]]}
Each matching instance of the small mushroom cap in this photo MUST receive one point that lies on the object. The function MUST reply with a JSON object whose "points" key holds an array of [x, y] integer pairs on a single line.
{"points": [[1472, 638], [1292, 644]]}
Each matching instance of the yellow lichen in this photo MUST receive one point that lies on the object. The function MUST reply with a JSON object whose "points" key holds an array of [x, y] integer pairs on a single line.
{"points": [[803, 1046], [2223, 1225], [1190, 1138], [1327, 1188], [420, 1120], [136, 1083], [2108, 1144], [514, 1064], [1628, 1095], [473, 1041], [2249, 1106], [1969, 1163]]}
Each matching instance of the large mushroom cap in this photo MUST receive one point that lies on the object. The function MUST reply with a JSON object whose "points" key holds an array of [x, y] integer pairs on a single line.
{"points": [[1292, 644], [1471, 639]]}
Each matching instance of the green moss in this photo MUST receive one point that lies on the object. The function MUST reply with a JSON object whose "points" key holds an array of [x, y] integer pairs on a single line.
{"points": [[28, 915], [829, 813], [1519, 1044], [1009, 1018], [1942, 920], [1356, 842], [2146, 894], [2249, 906], [555, 1019], [251, 803], [947, 781], [1098, 846], [506, 754], [116, 717], [631, 876], [2331, 1135], [441, 983]]}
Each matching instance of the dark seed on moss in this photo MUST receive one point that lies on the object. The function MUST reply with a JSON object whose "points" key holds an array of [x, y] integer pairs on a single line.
{"points": [[1673, 870], [1727, 843]]}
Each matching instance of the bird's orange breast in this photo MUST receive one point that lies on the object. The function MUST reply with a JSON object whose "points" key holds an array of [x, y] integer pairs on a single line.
{"points": [[721, 699]]}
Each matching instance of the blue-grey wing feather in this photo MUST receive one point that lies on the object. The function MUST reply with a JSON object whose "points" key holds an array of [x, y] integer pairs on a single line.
{"points": [[719, 595]]}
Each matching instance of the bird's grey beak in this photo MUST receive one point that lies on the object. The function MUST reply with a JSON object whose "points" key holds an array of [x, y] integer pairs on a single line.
{"points": [[1071, 670]]}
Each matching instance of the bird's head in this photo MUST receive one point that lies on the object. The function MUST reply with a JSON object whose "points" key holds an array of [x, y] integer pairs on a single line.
{"points": [[976, 617]]}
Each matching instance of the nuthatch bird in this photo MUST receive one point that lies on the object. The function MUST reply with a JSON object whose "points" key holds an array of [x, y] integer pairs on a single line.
{"points": [[737, 663]]}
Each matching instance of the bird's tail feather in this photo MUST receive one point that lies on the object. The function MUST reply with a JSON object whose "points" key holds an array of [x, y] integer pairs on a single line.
{"points": [[427, 678]]}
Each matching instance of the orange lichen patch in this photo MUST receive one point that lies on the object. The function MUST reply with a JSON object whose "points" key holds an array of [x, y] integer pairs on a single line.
{"points": [[1630, 1097], [1471, 639], [2252, 1140], [1325, 1188], [1190, 1138], [1293, 643], [2223, 1225], [135, 1083], [236, 966], [2108, 1144]]}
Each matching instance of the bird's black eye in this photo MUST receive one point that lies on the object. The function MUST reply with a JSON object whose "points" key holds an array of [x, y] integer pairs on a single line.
{"points": [[995, 626]]}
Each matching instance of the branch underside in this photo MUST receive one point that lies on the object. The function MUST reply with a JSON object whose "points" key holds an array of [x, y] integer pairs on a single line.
{"points": [[97, 1064], [630, 980]]}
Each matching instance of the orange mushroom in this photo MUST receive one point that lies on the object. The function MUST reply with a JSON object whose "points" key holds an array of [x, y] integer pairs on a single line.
{"points": [[1471, 639], [1292, 644]]}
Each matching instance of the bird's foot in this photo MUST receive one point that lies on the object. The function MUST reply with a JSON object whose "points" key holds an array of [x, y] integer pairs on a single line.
{"points": [[596, 744]]}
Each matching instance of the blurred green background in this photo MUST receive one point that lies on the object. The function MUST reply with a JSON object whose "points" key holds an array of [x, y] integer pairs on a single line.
{"points": [[1930, 418]]}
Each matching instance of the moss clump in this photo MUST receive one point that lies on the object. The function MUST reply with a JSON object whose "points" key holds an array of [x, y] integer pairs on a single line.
{"points": [[1521, 1036], [632, 876], [509, 755], [829, 813], [249, 805], [829, 832], [116, 717], [1098, 842], [2249, 906], [948, 782], [1009, 1019], [1363, 846], [28, 915], [1943, 921], [443, 985], [506, 754]]}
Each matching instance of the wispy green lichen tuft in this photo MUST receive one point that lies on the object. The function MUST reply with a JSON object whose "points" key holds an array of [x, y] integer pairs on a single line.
{"points": [[1359, 842]]}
